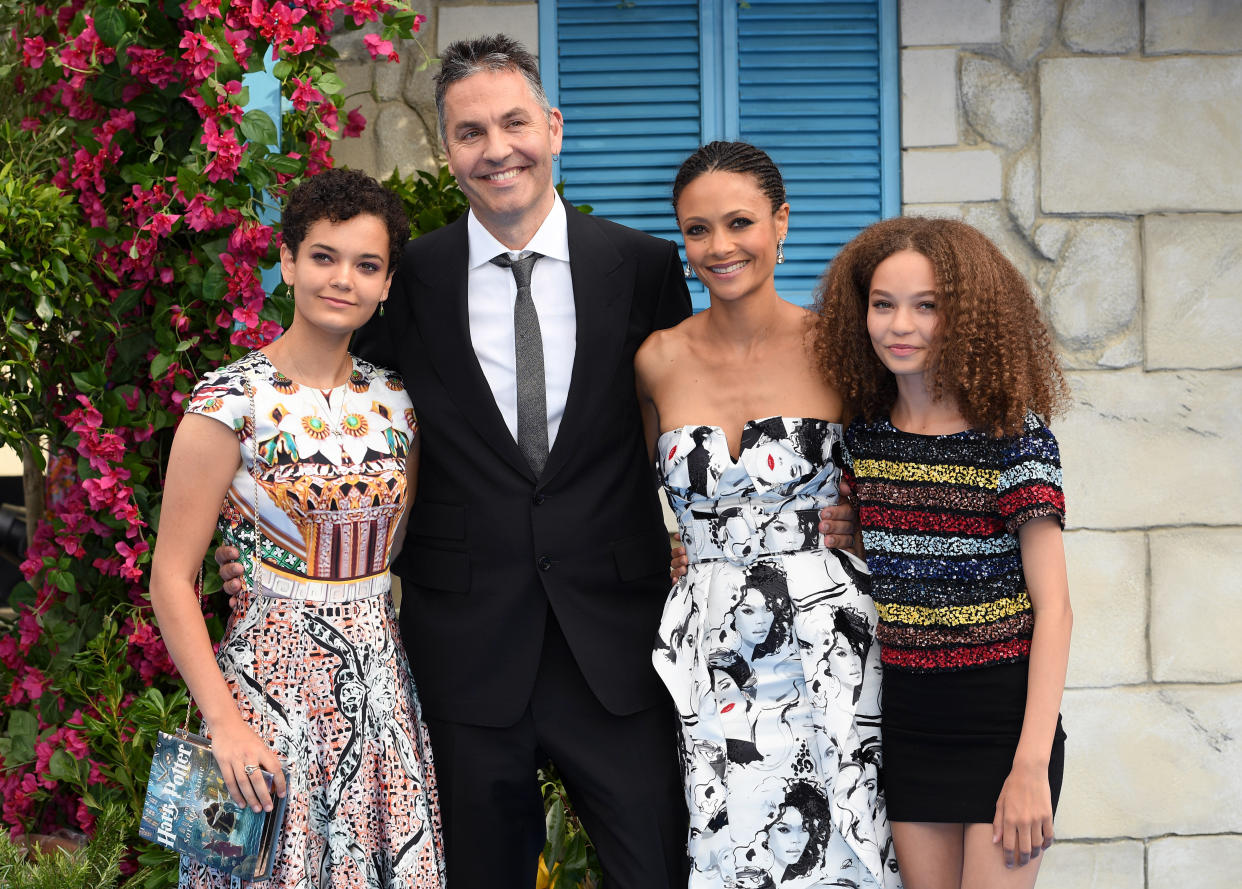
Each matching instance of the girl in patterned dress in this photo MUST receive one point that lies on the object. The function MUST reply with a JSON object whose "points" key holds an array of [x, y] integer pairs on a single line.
{"points": [[311, 681], [936, 345]]}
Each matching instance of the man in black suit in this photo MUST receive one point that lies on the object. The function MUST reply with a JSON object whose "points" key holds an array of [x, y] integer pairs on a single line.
{"points": [[530, 594], [534, 572]]}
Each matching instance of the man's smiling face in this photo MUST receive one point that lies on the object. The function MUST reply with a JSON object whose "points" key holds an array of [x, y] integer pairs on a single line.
{"points": [[500, 146]]}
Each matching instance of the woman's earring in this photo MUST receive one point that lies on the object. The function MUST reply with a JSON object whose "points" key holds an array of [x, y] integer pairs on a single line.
{"points": [[381, 311], [688, 271], [780, 251], [555, 158]]}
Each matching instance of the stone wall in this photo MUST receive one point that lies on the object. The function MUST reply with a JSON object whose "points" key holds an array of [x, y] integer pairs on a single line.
{"points": [[1099, 143], [398, 99]]}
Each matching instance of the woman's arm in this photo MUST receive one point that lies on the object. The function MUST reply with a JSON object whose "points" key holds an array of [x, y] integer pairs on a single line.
{"points": [[646, 365], [1024, 811], [201, 465]]}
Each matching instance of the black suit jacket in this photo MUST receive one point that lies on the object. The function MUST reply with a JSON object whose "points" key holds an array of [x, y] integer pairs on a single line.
{"points": [[490, 548]]}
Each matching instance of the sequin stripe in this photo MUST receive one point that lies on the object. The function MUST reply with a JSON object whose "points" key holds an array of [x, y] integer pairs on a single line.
{"points": [[953, 615], [887, 518], [1035, 469], [956, 658], [1019, 626], [939, 593], [935, 545], [908, 567], [937, 473], [1022, 516], [948, 497], [1018, 499]]}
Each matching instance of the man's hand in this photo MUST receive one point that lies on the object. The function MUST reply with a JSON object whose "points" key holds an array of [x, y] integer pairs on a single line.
{"points": [[231, 572], [839, 523], [679, 562]]}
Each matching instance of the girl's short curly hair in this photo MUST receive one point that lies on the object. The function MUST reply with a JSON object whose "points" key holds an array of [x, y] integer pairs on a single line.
{"points": [[992, 354], [338, 196]]}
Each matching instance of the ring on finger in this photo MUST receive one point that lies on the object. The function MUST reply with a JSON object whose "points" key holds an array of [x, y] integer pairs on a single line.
{"points": [[251, 769]]}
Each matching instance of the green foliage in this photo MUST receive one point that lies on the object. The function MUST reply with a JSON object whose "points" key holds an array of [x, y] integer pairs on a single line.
{"points": [[97, 866], [569, 860], [48, 299], [433, 200]]}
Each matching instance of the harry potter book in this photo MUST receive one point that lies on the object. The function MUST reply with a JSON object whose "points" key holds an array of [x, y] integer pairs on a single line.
{"points": [[188, 809]]}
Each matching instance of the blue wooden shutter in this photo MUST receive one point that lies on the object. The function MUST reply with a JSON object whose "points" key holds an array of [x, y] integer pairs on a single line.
{"points": [[627, 81], [645, 82], [809, 95]]}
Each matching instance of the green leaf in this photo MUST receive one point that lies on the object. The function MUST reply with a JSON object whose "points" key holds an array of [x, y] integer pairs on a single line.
{"points": [[160, 365], [63, 767], [43, 307], [330, 84], [63, 580], [257, 126], [282, 69], [110, 25], [289, 166], [23, 729], [214, 282]]}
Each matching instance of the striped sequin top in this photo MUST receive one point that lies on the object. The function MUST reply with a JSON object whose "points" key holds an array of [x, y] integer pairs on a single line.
{"points": [[939, 516]]}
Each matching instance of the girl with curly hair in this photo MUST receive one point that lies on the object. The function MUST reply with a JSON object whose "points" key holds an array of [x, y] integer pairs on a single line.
{"points": [[936, 345]]}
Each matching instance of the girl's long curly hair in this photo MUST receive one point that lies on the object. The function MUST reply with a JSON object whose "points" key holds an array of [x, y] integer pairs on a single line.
{"points": [[992, 353]]}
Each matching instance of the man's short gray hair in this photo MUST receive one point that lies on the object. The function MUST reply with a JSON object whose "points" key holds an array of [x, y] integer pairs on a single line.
{"points": [[498, 52]]}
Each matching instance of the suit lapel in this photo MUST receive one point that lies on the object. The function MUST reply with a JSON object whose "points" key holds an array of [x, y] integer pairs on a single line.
{"points": [[603, 288], [441, 311]]}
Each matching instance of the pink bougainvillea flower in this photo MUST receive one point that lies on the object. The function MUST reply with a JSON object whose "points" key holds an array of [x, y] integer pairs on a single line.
{"points": [[355, 123], [329, 116], [152, 66], [9, 655], [377, 47], [304, 93], [200, 54], [203, 9], [302, 41], [34, 683], [251, 239], [363, 11], [34, 52]]}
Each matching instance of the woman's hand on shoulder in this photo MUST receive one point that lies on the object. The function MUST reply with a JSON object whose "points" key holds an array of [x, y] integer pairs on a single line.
{"points": [[235, 747], [1023, 822]]}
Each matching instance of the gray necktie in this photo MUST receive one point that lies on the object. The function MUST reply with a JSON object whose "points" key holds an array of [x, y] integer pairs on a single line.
{"points": [[532, 396]]}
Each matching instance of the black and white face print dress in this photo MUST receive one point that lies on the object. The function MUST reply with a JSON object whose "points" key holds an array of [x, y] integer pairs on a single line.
{"points": [[767, 647]]}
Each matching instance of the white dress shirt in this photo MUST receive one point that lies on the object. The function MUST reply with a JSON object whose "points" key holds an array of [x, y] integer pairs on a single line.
{"points": [[491, 296]]}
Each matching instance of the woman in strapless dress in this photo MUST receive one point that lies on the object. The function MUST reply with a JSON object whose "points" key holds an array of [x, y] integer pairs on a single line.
{"points": [[767, 644]]}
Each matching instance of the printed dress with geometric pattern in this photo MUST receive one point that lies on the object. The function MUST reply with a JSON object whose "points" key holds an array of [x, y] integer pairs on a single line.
{"points": [[767, 646], [315, 661]]}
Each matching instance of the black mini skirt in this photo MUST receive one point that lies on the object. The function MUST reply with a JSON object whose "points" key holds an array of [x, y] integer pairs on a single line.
{"points": [[949, 742]]}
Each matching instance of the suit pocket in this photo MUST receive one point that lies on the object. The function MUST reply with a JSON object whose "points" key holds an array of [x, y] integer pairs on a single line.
{"points": [[443, 520], [438, 569], [641, 556]]}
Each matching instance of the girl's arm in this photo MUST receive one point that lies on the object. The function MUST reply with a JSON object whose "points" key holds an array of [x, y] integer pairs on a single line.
{"points": [[411, 488], [201, 465], [1023, 820]]}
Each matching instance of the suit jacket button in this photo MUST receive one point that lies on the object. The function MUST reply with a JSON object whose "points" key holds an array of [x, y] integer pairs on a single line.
{"points": [[537, 499], [545, 564]]}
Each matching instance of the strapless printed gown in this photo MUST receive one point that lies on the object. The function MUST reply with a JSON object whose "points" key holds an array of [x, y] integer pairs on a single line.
{"points": [[767, 647]]}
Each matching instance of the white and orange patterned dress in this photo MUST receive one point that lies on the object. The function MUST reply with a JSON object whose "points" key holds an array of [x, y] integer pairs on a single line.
{"points": [[314, 660]]}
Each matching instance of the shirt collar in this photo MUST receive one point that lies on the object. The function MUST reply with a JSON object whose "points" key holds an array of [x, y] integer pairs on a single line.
{"points": [[552, 238]]}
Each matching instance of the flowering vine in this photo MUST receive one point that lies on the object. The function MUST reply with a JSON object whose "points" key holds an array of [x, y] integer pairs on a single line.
{"points": [[171, 183]]}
